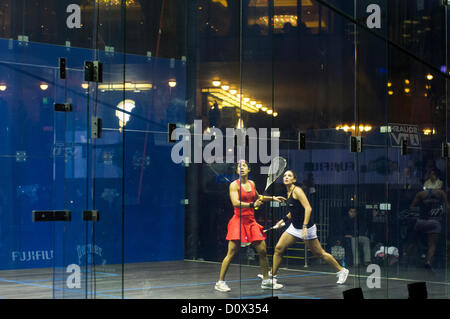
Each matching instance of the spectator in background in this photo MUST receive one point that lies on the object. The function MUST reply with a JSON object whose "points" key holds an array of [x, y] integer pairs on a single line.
{"points": [[432, 205], [308, 185], [356, 230], [433, 181], [303, 28], [289, 29]]}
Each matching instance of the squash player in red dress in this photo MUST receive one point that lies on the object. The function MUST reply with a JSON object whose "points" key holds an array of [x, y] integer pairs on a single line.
{"points": [[243, 228]]}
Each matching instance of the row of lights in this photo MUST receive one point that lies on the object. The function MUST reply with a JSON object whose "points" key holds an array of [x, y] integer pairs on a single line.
{"points": [[43, 86], [246, 99], [407, 90], [118, 2], [108, 87], [368, 128], [129, 86], [278, 20], [346, 127], [429, 131]]}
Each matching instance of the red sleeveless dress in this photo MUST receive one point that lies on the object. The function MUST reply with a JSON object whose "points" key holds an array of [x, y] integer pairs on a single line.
{"points": [[243, 226]]}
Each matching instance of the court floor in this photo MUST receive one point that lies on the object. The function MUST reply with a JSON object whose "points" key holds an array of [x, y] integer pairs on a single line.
{"points": [[190, 279]]}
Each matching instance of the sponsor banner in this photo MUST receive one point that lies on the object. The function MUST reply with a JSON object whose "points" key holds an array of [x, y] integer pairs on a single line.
{"points": [[338, 166], [410, 133]]}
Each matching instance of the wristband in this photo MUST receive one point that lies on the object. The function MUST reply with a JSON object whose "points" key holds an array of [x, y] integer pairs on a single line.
{"points": [[252, 204]]}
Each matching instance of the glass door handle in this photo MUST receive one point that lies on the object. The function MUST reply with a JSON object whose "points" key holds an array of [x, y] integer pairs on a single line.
{"points": [[52, 215], [91, 215]]}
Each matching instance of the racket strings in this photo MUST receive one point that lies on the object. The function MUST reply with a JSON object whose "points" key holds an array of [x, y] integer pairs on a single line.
{"points": [[275, 170]]}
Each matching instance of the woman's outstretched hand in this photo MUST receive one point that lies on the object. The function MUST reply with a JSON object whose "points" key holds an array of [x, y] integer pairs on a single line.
{"points": [[279, 199]]}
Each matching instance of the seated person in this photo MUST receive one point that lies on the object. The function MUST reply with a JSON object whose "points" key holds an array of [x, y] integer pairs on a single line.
{"points": [[433, 181], [356, 230]]}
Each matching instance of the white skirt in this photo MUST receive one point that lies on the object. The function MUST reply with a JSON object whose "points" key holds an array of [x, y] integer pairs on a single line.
{"points": [[311, 232]]}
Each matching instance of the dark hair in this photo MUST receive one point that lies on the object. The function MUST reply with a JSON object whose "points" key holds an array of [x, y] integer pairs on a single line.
{"points": [[293, 173], [347, 209], [436, 171], [239, 162]]}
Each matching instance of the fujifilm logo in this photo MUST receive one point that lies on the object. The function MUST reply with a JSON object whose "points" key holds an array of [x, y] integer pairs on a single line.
{"points": [[32, 255], [191, 149]]}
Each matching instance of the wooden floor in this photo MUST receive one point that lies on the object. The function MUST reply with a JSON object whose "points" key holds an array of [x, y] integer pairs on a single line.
{"points": [[195, 280]]}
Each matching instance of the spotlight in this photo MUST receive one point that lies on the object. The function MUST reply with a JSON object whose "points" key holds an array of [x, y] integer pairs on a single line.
{"points": [[172, 83], [127, 105], [44, 86]]}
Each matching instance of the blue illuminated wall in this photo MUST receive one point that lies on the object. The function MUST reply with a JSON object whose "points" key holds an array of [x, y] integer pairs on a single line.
{"points": [[47, 159]]}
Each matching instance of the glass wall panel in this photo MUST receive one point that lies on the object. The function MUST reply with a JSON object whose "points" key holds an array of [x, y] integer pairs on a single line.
{"points": [[417, 184], [31, 81], [154, 182], [374, 219], [188, 89], [316, 88]]}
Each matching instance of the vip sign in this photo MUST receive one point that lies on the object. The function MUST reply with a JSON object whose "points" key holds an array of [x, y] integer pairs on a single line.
{"points": [[74, 19], [407, 132]]}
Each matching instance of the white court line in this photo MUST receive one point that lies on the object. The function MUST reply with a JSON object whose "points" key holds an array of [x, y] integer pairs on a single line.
{"points": [[325, 272]]}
